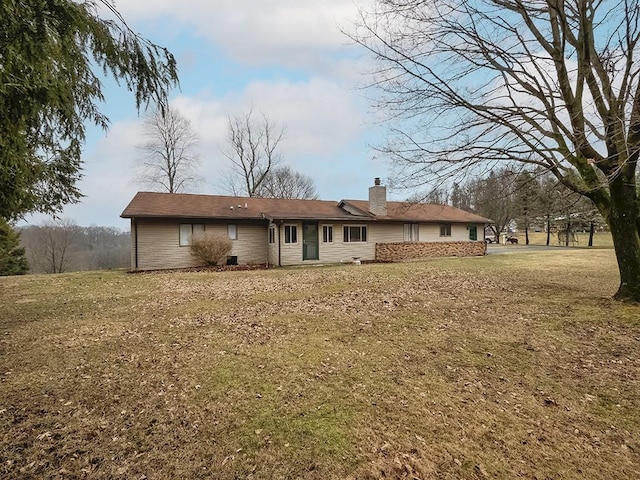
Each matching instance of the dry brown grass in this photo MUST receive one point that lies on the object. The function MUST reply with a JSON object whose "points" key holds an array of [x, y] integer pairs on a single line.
{"points": [[515, 366], [600, 239]]}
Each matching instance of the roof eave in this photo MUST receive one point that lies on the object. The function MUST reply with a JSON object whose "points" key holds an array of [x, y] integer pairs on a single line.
{"points": [[190, 216]]}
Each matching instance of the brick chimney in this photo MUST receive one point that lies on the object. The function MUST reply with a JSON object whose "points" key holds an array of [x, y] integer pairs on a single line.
{"points": [[378, 198]]}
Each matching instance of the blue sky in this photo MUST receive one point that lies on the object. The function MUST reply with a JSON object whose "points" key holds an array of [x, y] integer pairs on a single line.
{"points": [[286, 58]]}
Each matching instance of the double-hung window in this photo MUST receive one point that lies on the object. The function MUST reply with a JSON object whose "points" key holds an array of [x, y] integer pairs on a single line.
{"points": [[410, 232], [445, 229], [187, 230], [232, 231], [327, 234], [290, 234], [352, 233]]}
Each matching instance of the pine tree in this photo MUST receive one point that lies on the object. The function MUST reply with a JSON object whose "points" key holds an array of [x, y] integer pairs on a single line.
{"points": [[50, 51], [13, 260]]}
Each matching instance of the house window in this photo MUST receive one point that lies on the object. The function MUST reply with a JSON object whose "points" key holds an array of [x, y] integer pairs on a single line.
{"points": [[187, 230], [290, 234], [232, 231], [327, 234], [272, 234], [355, 234], [445, 229], [410, 232]]}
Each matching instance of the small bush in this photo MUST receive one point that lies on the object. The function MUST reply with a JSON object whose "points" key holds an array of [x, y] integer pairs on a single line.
{"points": [[210, 248]]}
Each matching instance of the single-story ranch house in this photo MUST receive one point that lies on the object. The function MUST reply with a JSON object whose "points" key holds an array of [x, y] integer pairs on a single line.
{"points": [[281, 232]]}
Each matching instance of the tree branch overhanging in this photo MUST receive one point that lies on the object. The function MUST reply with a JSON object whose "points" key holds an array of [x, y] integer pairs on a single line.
{"points": [[553, 84]]}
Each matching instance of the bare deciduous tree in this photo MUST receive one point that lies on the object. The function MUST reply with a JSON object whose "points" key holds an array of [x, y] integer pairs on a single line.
{"points": [[526, 199], [460, 196], [51, 246], [55, 246], [547, 83], [284, 182], [252, 148], [169, 158], [493, 198]]}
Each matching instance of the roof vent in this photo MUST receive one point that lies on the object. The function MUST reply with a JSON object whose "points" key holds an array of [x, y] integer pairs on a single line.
{"points": [[231, 207]]}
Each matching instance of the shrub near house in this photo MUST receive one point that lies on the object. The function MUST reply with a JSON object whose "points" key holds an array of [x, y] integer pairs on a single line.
{"points": [[210, 249]]}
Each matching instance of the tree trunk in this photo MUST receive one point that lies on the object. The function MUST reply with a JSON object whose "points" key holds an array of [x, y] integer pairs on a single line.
{"points": [[622, 221], [548, 230], [526, 235], [566, 239], [592, 227]]}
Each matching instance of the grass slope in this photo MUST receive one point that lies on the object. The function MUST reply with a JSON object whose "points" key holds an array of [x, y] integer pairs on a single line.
{"points": [[496, 367]]}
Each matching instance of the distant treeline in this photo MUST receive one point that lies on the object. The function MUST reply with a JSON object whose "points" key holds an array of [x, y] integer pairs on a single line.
{"points": [[63, 246]]}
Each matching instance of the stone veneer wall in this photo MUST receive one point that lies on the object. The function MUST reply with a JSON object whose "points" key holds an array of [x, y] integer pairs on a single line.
{"points": [[394, 252]]}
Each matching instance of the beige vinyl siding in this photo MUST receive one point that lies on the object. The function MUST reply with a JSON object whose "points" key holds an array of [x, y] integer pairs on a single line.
{"points": [[290, 253], [158, 242], [272, 248], [132, 230], [427, 232], [158, 245], [387, 232], [251, 245], [339, 251], [430, 232]]}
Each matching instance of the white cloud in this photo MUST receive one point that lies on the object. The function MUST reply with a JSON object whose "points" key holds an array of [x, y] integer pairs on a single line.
{"points": [[321, 121], [288, 32], [312, 96]]}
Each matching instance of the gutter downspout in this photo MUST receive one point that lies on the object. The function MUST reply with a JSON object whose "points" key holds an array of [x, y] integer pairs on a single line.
{"points": [[279, 247]]}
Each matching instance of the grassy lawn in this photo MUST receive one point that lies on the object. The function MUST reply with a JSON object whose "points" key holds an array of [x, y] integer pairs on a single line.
{"points": [[507, 366], [600, 239]]}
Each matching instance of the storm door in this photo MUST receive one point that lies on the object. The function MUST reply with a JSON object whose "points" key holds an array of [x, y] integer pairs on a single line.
{"points": [[310, 241], [473, 232]]}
